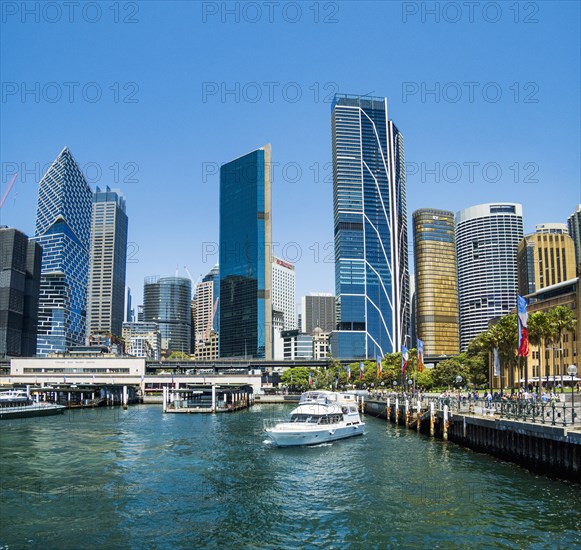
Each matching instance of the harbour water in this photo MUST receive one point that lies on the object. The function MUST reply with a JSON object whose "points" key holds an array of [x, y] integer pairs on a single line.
{"points": [[137, 479]]}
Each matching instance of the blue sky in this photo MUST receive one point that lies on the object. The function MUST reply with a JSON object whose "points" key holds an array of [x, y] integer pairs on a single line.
{"points": [[151, 97]]}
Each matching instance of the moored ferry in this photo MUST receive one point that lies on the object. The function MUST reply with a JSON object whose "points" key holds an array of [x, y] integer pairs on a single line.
{"points": [[19, 404]]}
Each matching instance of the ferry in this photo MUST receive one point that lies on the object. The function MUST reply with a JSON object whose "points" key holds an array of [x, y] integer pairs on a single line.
{"points": [[320, 417], [19, 404]]}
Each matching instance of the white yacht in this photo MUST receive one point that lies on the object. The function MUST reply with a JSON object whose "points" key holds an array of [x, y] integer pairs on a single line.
{"points": [[19, 404], [321, 416]]}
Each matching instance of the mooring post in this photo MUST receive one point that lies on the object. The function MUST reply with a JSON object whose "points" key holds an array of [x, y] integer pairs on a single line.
{"points": [[396, 409], [432, 419], [445, 422], [213, 397], [388, 407], [165, 398], [418, 409], [125, 397]]}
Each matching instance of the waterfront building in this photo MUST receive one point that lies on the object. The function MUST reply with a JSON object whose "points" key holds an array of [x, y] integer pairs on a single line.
{"points": [[318, 311], [63, 230], [107, 266], [544, 259], [545, 362], [245, 256], [207, 350], [277, 329], [487, 239], [167, 302], [369, 199], [574, 225], [20, 266], [283, 291], [142, 340], [320, 343], [436, 283], [297, 345]]}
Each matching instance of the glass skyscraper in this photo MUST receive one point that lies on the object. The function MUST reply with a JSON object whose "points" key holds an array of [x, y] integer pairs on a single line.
{"points": [[63, 229], [436, 283], [487, 239], [20, 264], [371, 263], [167, 301], [106, 295], [245, 257], [574, 224]]}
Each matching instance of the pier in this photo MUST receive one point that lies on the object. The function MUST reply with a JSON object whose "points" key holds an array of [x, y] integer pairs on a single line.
{"points": [[543, 437], [207, 398]]}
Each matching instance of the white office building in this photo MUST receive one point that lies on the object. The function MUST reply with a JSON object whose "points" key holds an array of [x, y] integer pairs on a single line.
{"points": [[283, 292], [487, 239]]}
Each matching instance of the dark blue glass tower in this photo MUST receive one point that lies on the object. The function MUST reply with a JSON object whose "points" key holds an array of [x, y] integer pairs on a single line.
{"points": [[245, 257], [371, 264], [63, 229]]}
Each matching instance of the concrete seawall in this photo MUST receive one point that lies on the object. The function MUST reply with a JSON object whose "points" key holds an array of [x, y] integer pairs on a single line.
{"points": [[542, 448]]}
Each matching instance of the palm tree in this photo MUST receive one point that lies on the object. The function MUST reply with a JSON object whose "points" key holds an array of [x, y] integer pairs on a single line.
{"points": [[562, 319], [507, 339], [539, 332]]}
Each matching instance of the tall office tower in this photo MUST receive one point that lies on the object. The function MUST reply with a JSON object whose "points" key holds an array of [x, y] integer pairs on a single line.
{"points": [[63, 229], [128, 315], [283, 292], [167, 302], [205, 310], [574, 224], [555, 228], [107, 266], [20, 264], [245, 256], [371, 263], [140, 314], [544, 259], [487, 239], [436, 283], [214, 276], [317, 310]]}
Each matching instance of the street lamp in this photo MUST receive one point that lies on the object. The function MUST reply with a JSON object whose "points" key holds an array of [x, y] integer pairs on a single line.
{"points": [[459, 380], [572, 370]]}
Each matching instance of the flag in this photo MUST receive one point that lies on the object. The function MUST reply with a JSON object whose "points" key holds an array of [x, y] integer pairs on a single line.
{"points": [[310, 378], [361, 370], [496, 362], [404, 358], [379, 367], [523, 332], [420, 355], [348, 372]]}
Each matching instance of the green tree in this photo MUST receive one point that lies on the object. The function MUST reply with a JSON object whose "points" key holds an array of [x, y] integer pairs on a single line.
{"points": [[445, 373], [178, 355], [562, 320], [539, 334]]}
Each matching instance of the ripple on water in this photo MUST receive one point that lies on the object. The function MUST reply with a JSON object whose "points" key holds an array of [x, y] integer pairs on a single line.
{"points": [[138, 478]]}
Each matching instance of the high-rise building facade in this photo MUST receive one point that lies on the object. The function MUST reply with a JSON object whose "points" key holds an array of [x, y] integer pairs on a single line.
{"points": [[544, 259], [128, 317], [245, 256], [107, 266], [555, 228], [436, 283], [63, 229], [371, 263], [20, 264], [487, 239], [167, 302], [318, 311], [283, 292], [204, 310], [574, 225]]}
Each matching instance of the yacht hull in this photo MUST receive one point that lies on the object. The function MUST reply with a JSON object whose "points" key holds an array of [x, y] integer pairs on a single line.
{"points": [[282, 437]]}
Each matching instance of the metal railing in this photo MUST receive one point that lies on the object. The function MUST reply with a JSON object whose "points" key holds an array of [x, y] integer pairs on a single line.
{"points": [[550, 412]]}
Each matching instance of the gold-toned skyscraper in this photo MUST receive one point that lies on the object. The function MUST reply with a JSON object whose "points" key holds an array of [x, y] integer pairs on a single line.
{"points": [[544, 259], [436, 281]]}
